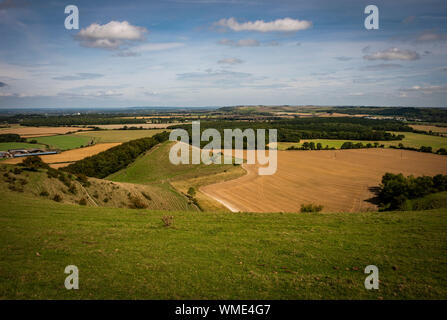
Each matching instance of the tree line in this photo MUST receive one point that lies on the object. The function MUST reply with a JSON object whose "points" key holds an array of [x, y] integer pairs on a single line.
{"points": [[11, 137], [114, 159], [424, 114], [343, 128], [396, 189]]}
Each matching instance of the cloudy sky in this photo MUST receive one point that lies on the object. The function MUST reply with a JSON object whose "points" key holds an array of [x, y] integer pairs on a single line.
{"points": [[222, 52]]}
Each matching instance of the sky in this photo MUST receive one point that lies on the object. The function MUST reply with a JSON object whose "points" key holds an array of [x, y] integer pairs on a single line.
{"points": [[222, 53]]}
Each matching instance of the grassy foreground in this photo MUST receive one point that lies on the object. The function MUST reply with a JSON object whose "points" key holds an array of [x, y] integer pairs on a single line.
{"points": [[130, 254]]}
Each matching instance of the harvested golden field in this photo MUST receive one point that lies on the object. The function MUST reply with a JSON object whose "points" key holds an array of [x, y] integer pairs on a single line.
{"points": [[340, 180], [30, 132], [65, 158]]}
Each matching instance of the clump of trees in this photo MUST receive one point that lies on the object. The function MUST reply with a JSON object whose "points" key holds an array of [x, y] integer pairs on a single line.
{"points": [[34, 163], [396, 189], [346, 145], [343, 128], [107, 162], [360, 145], [311, 208], [11, 137], [426, 149]]}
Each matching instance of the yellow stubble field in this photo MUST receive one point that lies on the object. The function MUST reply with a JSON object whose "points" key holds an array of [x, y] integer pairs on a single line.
{"points": [[340, 180], [30, 132]]}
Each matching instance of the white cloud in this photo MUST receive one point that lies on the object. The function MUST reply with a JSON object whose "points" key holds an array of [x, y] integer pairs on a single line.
{"points": [[429, 36], [230, 61], [240, 43], [79, 76], [429, 89], [216, 77], [97, 94], [382, 66], [281, 25], [158, 46], [393, 54], [111, 35], [136, 51]]}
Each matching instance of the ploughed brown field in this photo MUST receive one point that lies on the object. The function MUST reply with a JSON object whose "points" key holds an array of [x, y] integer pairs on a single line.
{"points": [[340, 180], [65, 158], [30, 132]]}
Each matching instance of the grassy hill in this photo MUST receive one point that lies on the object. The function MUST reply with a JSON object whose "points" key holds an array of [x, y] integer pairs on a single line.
{"points": [[431, 201], [130, 254], [154, 168], [96, 193]]}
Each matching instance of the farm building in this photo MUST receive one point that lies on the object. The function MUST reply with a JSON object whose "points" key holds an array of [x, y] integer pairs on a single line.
{"points": [[15, 153], [5, 154]]}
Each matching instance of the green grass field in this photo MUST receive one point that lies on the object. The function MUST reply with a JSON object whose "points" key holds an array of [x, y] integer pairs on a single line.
{"points": [[5, 146], [130, 254], [414, 140], [63, 142], [154, 168], [417, 140], [105, 136], [325, 142]]}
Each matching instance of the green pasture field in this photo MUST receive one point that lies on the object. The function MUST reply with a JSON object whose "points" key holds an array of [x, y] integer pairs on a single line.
{"points": [[105, 136], [5, 146], [414, 140], [63, 141], [155, 166]]}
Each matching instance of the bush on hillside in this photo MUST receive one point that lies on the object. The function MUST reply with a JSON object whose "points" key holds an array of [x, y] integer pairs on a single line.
{"points": [[33, 163], [167, 220], [311, 208], [136, 203], [57, 198]]}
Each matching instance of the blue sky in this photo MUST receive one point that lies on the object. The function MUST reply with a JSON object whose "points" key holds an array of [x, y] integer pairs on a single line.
{"points": [[217, 53]]}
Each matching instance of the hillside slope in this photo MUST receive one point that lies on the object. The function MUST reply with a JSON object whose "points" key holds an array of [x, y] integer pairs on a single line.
{"points": [[154, 168], [96, 192], [130, 254]]}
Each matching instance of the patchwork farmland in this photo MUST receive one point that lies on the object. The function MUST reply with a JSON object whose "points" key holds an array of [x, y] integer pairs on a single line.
{"points": [[222, 231]]}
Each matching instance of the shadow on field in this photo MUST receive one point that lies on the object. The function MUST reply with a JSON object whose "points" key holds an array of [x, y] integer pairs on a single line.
{"points": [[375, 199]]}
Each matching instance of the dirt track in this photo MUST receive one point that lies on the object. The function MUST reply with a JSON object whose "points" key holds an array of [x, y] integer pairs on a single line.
{"points": [[340, 180]]}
